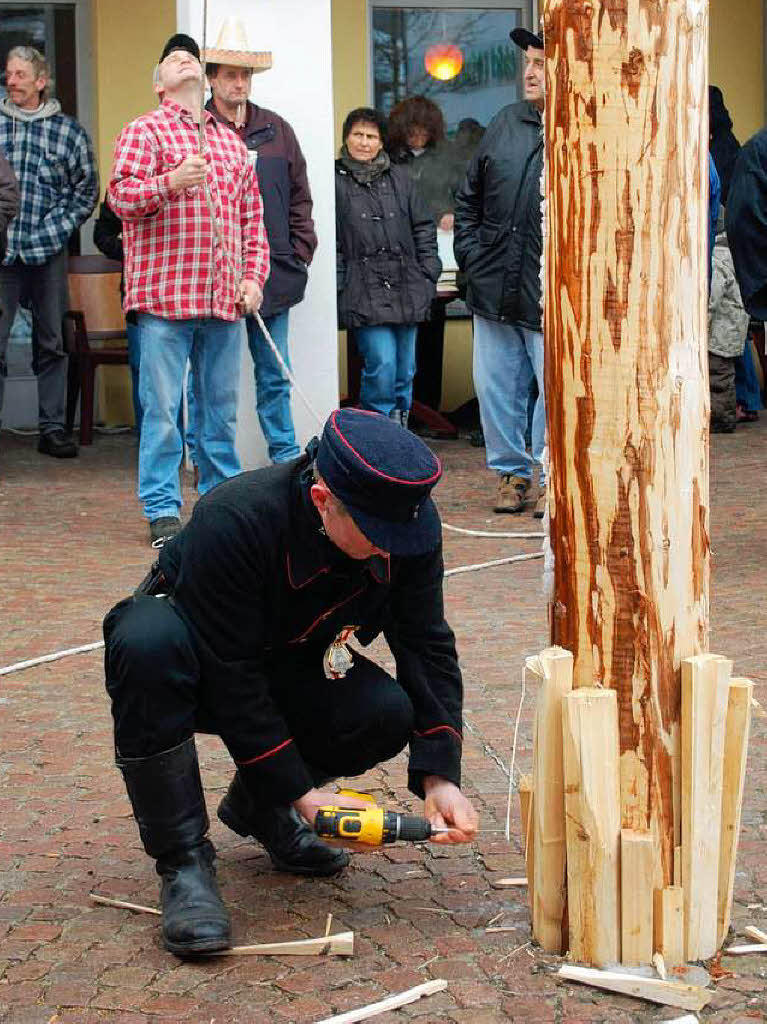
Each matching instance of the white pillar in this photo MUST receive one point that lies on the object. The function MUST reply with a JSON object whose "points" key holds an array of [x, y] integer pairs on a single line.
{"points": [[298, 87]]}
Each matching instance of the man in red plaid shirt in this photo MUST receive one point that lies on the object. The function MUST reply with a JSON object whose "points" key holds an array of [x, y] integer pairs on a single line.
{"points": [[196, 260]]}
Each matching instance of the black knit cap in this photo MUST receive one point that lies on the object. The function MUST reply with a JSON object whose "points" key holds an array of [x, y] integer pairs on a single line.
{"points": [[383, 474], [180, 41], [523, 37]]}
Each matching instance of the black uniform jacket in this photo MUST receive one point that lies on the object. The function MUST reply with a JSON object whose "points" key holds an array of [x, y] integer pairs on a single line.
{"points": [[284, 187], [497, 237], [746, 222], [255, 579], [386, 250]]}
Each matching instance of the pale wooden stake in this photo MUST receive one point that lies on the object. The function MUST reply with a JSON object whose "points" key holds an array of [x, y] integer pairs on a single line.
{"points": [[668, 924], [341, 944], [526, 801], [736, 735], [592, 806], [637, 865], [107, 901], [548, 832], [705, 686], [669, 993], [390, 1003], [507, 883], [678, 865], [660, 965], [751, 947], [755, 933]]}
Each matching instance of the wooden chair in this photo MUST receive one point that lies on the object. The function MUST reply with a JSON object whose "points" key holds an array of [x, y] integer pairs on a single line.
{"points": [[95, 315]]}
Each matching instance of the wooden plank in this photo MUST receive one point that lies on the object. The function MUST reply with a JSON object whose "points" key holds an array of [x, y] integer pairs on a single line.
{"points": [[390, 1003], [750, 947], [705, 686], [736, 733], [678, 865], [506, 883], [755, 933], [526, 801], [669, 993], [637, 868], [548, 831], [592, 805], [668, 924]]}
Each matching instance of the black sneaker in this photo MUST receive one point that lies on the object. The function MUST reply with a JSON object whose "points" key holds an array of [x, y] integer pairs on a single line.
{"points": [[163, 529], [58, 444]]}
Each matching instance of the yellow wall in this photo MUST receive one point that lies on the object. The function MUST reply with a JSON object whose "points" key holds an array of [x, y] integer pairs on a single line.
{"points": [[736, 61]]}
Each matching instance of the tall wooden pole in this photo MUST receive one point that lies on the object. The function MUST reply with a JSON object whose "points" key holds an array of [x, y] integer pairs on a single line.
{"points": [[626, 370]]}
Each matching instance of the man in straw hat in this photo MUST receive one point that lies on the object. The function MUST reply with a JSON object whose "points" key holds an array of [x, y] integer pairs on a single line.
{"points": [[241, 630], [281, 171], [196, 259]]}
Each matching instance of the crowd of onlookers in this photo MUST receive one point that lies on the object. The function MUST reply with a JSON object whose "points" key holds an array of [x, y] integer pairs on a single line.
{"points": [[212, 222]]}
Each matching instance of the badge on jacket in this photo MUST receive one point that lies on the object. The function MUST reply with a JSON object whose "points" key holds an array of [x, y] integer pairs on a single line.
{"points": [[338, 658]]}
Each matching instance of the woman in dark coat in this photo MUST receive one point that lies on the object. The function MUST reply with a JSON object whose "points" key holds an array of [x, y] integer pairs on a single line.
{"points": [[387, 263]]}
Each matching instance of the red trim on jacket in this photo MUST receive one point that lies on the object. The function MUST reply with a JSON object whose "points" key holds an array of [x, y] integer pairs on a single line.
{"points": [[440, 728], [268, 753]]}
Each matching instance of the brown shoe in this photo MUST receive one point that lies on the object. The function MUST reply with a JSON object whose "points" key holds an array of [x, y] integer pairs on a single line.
{"points": [[540, 505], [512, 493]]}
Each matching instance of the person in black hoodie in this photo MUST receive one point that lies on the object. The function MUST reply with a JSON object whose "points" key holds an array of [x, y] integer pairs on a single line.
{"points": [[387, 262], [723, 145]]}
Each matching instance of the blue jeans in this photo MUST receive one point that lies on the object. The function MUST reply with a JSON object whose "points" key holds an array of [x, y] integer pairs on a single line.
{"points": [[213, 346], [388, 351], [746, 381], [134, 361], [506, 358], [272, 388]]}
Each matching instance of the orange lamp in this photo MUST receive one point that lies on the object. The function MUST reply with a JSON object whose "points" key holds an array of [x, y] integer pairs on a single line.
{"points": [[443, 61]]}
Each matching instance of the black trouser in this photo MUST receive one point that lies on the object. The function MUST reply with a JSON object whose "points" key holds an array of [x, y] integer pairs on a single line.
{"points": [[160, 696]]}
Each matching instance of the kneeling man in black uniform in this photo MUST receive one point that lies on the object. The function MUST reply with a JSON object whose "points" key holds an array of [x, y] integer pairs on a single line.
{"points": [[240, 630]]}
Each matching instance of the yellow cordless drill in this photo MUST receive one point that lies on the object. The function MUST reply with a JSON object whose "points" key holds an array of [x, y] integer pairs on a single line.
{"points": [[372, 825]]}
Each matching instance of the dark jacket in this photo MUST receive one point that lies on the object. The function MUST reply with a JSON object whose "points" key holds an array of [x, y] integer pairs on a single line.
{"points": [[746, 222], [437, 173], [108, 239], [723, 145], [497, 239], [386, 250], [282, 179], [254, 578], [9, 201]]}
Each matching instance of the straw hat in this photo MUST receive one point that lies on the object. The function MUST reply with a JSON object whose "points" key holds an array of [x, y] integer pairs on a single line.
{"points": [[232, 48]]}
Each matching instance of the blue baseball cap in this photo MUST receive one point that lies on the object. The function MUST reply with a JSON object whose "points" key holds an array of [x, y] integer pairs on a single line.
{"points": [[384, 475]]}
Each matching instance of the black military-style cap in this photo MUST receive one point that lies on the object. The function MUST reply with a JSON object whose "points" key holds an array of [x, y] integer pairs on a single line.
{"points": [[523, 37], [384, 475], [180, 41]]}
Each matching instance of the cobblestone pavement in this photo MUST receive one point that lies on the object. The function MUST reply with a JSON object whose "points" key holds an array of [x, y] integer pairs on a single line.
{"points": [[71, 543]]}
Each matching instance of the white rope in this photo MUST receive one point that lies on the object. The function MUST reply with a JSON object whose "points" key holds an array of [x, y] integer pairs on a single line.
{"points": [[50, 657], [492, 533], [514, 756], [495, 561]]}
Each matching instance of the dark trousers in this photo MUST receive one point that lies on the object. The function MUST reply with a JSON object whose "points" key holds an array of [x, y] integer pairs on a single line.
{"points": [[160, 696], [45, 288], [429, 349]]}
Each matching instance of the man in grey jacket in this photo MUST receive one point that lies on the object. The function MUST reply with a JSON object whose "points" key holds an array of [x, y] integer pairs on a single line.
{"points": [[54, 162], [498, 245]]}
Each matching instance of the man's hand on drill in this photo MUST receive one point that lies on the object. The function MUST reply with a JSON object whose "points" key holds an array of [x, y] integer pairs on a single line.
{"points": [[446, 807], [308, 805]]}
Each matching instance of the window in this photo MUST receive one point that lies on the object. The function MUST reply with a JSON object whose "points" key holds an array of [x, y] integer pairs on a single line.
{"points": [[480, 74]]}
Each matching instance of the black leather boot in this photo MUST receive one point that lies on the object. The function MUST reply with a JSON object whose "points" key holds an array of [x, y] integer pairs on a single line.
{"points": [[168, 804], [282, 832]]}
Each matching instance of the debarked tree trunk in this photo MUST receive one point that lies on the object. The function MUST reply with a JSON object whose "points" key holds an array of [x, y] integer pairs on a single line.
{"points": [[625, 285]]}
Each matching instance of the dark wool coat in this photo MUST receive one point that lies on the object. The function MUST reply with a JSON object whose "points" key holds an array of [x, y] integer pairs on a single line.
{"points": [[282, 179], [497, 239], [9, 201], [386, 250], [253, 578], [746, 222]]}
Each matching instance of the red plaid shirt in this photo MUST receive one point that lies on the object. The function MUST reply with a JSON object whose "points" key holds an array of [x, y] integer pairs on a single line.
{"points": [[174, 266]]}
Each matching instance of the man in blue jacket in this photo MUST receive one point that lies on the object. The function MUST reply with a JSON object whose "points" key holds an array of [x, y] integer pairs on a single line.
{"points": [[53, 159], [282, 179], [498, 245]]}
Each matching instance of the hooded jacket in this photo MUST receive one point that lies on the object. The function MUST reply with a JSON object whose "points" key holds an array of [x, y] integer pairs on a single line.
{"points": [[497, 237], [281, 171], [386, 249], [53, 160], [9, 201], [727, 319]]}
